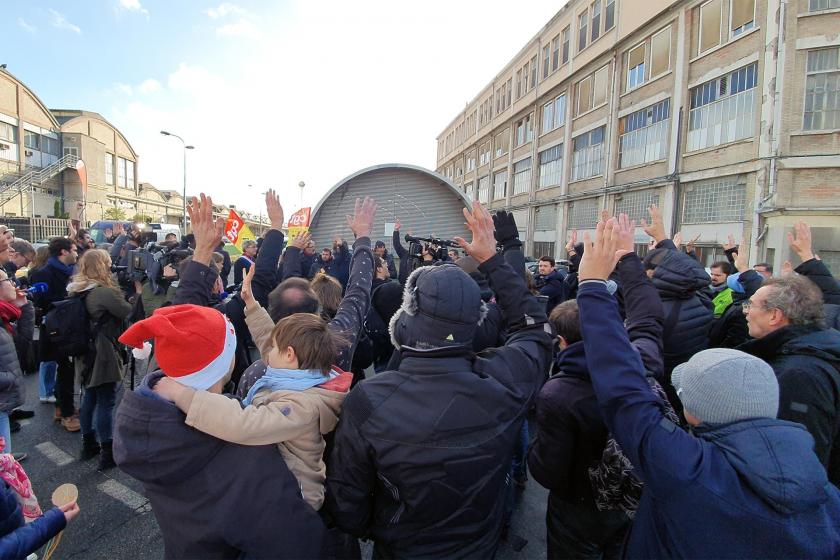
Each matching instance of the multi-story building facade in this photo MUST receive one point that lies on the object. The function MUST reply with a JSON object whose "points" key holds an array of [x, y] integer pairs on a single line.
{"points": [[726, 113]]}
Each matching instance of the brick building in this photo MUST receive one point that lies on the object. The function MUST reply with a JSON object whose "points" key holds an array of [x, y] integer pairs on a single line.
{"points": [[724, 112]]}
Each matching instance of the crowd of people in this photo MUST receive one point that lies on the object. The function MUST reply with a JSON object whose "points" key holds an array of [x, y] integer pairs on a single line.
{"points": [[669, 410]]}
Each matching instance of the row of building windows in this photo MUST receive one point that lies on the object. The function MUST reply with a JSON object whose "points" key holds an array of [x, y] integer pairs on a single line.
{"points": [[125, 171]]}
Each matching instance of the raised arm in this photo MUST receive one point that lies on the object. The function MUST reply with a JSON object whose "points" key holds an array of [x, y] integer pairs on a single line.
{"points": [[265, 278], [397, 242], [350, 316], [811, 267], [197, 280], [507, 235], [661, 453], [292, 263]]}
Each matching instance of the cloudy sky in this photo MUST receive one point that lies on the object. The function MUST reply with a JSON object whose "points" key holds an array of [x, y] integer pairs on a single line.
{"points": [[269, 92]]}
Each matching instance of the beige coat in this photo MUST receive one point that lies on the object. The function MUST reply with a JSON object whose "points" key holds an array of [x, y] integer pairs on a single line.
{"points": [[260, 325], [295, 420]]}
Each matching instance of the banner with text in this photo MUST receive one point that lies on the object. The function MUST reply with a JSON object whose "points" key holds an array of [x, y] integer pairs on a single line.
{"points": [[299, 223], [237, 231]]}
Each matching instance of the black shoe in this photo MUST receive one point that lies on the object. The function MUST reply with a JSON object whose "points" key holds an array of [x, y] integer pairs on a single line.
{"points": [[106, 457], [90, 447], [18, 414], [20, 457], [14, 427]]}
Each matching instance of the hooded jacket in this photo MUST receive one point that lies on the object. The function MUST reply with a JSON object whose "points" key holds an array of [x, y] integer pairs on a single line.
{"points": [[552, 286], [750, 489], [12, 392], [296, 421], [680, 281], [806, 361], [422, 454], [198, 484]]}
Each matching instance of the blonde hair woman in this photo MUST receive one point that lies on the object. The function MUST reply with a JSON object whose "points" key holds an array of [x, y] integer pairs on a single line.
{"points": [[100, 370]]}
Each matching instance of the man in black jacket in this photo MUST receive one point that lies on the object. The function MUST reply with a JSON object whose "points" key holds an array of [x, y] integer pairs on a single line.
{"points": [[434, 486], [56, 274], [550, 283], [381, 251], [785, 318]]}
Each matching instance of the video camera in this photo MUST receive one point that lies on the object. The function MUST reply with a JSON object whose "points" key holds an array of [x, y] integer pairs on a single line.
{"points": [[434, 246], [149, 262]]}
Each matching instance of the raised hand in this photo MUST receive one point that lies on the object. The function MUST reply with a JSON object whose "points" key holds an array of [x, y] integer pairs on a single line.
{"points": [[801, 242], [245, 291], [678, 239], [656, 228], [397, 225], [361, 222], [689, 247], [600, 257], [301, 240], [570, 244], [207, 230], [730, 243], [625, 231], [71, 511], [505, 227], [787, 268], [742, 257], [119, 229], [274, 209], [480, 224]]}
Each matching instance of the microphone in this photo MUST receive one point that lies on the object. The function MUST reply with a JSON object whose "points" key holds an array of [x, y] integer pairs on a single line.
{"points": [[37, 288]]}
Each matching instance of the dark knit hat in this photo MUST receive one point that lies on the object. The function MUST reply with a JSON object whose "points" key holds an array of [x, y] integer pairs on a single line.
{"points": [[441, 307]]}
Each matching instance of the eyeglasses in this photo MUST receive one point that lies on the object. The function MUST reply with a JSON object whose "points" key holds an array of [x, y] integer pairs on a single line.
{"points": [[749, 304], [6, 280]]}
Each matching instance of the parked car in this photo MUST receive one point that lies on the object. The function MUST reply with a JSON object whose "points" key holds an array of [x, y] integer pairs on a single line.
{"points": [[97, 230]]}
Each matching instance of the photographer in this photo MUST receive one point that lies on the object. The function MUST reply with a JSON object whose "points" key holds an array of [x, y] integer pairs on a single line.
{"points": [[100, 370]]}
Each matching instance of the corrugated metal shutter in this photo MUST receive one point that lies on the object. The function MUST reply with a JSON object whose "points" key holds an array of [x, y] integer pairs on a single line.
{"points": [[422, 202]]}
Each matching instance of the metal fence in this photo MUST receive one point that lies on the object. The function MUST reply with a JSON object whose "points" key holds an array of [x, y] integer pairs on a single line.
{"points": [[36, 229]]}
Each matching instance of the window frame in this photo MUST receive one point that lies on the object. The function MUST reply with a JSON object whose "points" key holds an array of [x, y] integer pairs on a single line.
{"points": [[555, 53], [546, 50], [609, 7], [566, 43], [810, 73], [744, 28], [583, 30], [595, 32], [818, 10], [628, 86], [651, 76], [700, 50]]}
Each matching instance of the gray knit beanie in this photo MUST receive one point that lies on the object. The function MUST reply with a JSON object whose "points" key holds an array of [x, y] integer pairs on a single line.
{"points": [[721, 385]]}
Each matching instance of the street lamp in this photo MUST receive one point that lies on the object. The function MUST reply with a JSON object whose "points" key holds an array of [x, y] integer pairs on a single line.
{"points": [[184, 199], [262, 228], [301, 185]]}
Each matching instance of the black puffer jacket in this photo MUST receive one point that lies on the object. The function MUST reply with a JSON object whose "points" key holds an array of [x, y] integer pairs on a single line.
{"points": [[806, 361], [819, 274], [680, 281]]}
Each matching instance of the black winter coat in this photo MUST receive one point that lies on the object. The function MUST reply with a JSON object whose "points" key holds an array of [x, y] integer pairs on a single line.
{"points": [[806, 361], [731, 329], [434, 486], [680, 280], [818, 273], [211, 498]]}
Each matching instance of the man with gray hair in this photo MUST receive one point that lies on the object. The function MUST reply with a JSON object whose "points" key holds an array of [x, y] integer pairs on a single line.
{"points": [[785, 319], [245, 261]]}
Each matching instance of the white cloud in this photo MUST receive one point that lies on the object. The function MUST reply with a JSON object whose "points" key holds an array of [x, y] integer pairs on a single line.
{"points": [[149, 86], [25, 26], [60, 22], [125, 89], [302, 108], [223, 10], [133, 6], [242, 28]]}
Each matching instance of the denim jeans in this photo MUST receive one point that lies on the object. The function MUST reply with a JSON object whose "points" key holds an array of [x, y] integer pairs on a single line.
{"points": [[46, 379], [97, 411], [6, 432], [520, 453]]}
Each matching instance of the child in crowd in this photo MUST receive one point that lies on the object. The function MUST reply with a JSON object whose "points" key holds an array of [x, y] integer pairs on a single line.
{"points": [[294, 404]]}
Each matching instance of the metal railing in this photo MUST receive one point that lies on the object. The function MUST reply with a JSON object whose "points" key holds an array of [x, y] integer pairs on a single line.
{"points": [[721, 122], [36, 177], [644, 145]]}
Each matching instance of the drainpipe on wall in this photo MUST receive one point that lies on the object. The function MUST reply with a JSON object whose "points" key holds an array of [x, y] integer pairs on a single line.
{"points": [[771, 117]]}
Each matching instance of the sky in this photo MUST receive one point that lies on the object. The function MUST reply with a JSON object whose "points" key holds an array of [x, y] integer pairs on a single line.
{"points": [[270, 93]]}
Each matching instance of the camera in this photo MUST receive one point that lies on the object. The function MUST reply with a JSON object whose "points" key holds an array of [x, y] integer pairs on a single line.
{"points": [[149, 262], [418, 247]]}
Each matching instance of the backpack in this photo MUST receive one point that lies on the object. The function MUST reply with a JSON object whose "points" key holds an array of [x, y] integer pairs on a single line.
{"points": [[614, 485], [68, 327]]}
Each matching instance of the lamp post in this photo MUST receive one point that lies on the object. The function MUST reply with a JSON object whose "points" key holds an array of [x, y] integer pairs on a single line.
{"points": [[262, 228], [301, 185], [184, 199]]}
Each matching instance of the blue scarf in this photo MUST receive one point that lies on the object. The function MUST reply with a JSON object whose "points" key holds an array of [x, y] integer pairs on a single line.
{"points": [[58, 265], [277, 379]]}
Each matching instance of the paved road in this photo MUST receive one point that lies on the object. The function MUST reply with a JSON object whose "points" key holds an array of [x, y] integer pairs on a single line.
{"points": [[116, 519]]}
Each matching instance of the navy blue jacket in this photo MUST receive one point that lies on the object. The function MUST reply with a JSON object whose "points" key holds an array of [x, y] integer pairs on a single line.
{"points": [[434, 486], [338, 267], [751, 489], [17, 541], [554, 287], [819, 274], [211, 498]]}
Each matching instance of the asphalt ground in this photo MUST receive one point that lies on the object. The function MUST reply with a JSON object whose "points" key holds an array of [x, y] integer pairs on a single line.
{"points": [[116, 520]]}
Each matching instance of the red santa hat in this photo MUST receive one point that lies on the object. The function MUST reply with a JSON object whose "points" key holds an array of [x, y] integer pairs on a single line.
{"points": [[194, 345]]}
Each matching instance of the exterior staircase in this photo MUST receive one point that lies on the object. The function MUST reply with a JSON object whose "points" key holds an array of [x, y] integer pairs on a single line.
{"points": [[35, 178]]}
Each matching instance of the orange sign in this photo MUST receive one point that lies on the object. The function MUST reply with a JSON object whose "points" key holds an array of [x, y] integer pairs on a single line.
{"points": [[299, 223], [236, 230]]}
